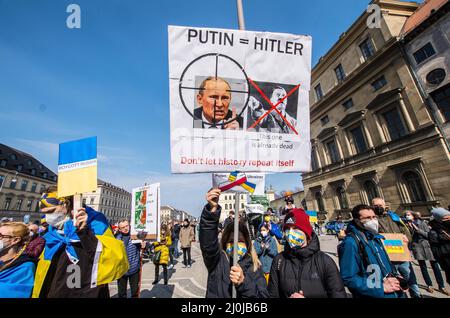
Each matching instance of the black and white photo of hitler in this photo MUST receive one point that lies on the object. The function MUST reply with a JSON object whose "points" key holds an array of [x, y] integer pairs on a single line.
{"points": [[214, 100], [273, 122]]}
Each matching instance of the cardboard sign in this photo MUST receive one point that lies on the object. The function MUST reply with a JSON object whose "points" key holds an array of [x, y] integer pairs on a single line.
{"points": [[396, 248], [77, 167], [239, 100], [253, 183], [145, 212]]}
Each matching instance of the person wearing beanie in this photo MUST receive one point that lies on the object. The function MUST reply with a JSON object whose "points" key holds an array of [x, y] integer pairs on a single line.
{"points": [[439, 237], [302, 270]]}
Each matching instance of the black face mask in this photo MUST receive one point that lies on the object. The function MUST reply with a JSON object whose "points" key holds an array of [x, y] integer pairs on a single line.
{"points": [[378, 210]]}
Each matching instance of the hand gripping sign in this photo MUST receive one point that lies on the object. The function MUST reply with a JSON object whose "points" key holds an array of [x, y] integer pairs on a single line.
{"points": [[239, 100]]}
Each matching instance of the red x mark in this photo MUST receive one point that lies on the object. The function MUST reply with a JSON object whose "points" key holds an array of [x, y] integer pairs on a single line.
{"points": [[273, 107]]}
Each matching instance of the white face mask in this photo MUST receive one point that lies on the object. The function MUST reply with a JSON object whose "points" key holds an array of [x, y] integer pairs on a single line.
{"points": [[371, 226], [56, 220], [264, 233], [409, 217]]}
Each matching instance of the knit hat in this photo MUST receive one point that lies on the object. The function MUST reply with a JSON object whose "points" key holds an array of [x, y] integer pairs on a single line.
{"points": [[439, 213], [298, 218]]}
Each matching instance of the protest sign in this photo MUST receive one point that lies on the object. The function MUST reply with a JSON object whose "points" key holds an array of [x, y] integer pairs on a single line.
{"points": [[253, 183], [145, 212], [312, 216], [254, 208], [77, 167], [239, 100], [396, 248]]}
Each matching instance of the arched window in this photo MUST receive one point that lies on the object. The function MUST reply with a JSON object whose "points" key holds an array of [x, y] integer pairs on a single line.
{"points": [[414, 186], [342, 198], [319, 201], [371, 190], [226, 205]]}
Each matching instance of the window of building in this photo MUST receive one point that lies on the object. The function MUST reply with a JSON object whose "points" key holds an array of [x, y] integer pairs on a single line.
{"points": [[379, 83], [414, 187], [394, 124], [319, 93], [342, 198], [13, 183], [2, 178], [325, 120], [367, 49], [340, 74], [19, 204], [13, 157], [3, 163], [371, 190], [348, 104], [319, 201], [424, 53], [359, 141], [44, 174], [333, 151], [24, 185], [29, 162], [84, 201], [92, 200], [43, 187], [19, 167], [242, 205], [33, 187], [442, 99], [436, 76], [314, 163], [29, 203], [33, 172], [7, 203]]}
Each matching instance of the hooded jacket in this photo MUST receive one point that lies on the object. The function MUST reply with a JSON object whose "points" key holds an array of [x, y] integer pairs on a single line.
{"points": [[16, 280], [354, 271], [305, 269], [163, 247], [218, 264]]}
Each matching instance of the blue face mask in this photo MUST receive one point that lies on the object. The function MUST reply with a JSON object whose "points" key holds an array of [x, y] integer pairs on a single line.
{"points": [[242, 250], [294, 237]]}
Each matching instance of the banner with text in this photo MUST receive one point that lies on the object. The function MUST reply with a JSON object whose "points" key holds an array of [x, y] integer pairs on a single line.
{"points": [[145, 212], [239, 100]]}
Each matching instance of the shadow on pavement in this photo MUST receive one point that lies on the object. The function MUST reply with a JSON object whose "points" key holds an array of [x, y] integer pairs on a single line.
{"points": [[160, 291]]}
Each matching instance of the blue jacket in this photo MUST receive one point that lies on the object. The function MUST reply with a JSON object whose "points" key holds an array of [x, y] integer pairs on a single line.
{"points": [[266, 255], [353, 271], [17, 280], [133, 253], [274, 231]]}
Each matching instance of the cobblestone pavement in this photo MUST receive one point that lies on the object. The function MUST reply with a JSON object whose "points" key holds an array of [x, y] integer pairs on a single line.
{"points": [[191, 282]]}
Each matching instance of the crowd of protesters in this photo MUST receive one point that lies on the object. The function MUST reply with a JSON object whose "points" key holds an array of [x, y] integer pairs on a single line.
{"points": [[281, 260]]}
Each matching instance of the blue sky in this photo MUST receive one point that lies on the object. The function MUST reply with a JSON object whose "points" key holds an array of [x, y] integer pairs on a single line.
{"points": [[110, 78]]}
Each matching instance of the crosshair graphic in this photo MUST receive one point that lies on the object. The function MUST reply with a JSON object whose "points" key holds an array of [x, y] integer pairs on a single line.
{"points": [[216, 75]]}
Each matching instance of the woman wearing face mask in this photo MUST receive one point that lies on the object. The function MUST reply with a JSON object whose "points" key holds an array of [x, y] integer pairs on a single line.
{"points": [[17, 269], [273, 228], [79, 241], [163, 247], [186, 237], [440, 238], [302, 270], [422, 251], [247, 275], [266, 249]]}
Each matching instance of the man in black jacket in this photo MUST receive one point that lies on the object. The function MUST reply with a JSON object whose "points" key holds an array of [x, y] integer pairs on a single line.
{"points": [[246, 277]]}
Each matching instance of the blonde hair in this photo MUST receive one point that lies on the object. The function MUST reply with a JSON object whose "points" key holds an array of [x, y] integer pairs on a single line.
{"points": [[18, 229]]}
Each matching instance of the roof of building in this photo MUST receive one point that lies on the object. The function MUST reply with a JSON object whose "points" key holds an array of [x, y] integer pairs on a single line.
{"points": [[24, 163], [426, 9]]}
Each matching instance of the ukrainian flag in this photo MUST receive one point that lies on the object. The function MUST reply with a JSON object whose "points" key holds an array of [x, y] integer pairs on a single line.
{"points": [[394, 246], [312, 216], [77, 167]]}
